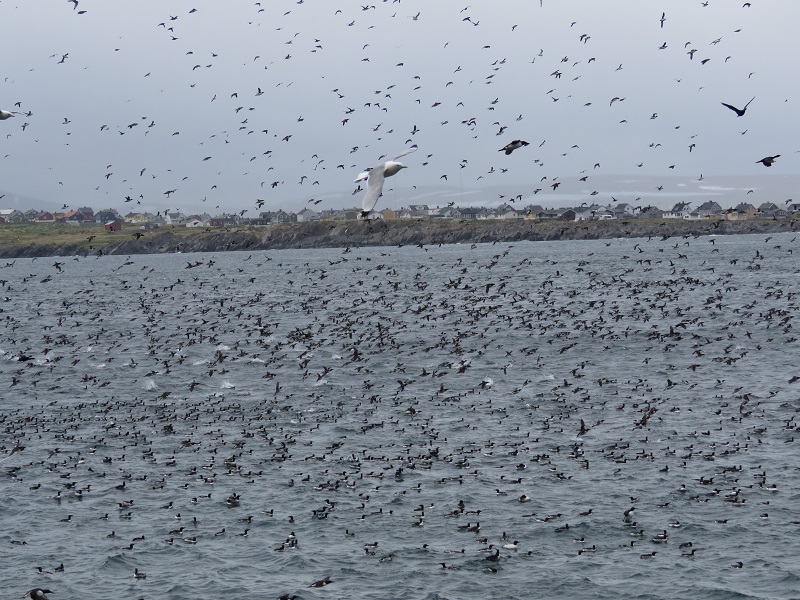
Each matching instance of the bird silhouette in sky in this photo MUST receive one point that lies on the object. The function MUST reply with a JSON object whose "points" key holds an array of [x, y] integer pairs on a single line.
{"points": [[510, 147], [739, 111], [768, 160]]}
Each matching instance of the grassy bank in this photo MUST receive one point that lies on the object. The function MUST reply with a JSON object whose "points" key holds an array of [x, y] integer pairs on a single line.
{"points": [[85, 237]]}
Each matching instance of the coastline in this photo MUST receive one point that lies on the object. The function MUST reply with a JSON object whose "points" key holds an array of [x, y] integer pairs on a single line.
{"points": [[342, 234]]}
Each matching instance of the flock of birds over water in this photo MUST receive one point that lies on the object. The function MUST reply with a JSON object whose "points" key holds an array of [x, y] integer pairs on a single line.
{"points": [[449, 409], [272, 122], [476, 410]]}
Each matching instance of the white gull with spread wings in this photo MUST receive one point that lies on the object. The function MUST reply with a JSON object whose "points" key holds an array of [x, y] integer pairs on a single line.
{"points": [[375, 177]]}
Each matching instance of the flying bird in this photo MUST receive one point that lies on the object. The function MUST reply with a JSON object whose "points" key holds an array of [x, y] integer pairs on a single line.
{"points": [[516, 144], [768, 160], [739, 111], [375, 177], [4, 114]]}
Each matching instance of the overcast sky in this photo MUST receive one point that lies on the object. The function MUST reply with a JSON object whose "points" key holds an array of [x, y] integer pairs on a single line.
{"points": [[285, 101]]}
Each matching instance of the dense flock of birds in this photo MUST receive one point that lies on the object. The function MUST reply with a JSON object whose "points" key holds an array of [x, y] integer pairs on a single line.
{"points": [[411, 400], [278, 128], [433, 408]]}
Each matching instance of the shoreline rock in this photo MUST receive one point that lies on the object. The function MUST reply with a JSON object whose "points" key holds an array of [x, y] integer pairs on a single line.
{"points": [[342, 234]]}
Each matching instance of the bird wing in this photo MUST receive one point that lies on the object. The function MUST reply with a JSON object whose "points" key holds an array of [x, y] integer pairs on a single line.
{"points": [[365, 174], [733, 108], [374, 188], [404, 152]]}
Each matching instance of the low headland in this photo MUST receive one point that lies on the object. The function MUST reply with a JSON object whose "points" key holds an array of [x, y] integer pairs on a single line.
{"points": [[29, 240]]}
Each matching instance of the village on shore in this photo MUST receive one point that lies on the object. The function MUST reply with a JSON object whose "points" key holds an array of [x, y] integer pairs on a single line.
{"points": [[114, 221]]}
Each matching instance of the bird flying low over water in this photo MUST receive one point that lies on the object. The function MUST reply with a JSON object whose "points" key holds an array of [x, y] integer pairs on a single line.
{"points": [[768, 160], [739, 111], [375, 177], [509, 148]]}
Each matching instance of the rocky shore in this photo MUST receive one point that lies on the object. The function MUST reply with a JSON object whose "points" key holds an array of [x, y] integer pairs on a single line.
{"points": [[341, 234]]}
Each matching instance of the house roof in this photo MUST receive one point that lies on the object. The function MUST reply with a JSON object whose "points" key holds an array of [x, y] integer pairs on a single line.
{"points": [[709, 205]]}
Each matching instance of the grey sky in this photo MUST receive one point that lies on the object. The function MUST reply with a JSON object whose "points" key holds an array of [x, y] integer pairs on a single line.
{"points": [[395, 75]]}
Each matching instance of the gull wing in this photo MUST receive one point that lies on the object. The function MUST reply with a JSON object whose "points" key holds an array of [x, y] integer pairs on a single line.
{"points": [[364, 174], [404, 152], [374, 188]]}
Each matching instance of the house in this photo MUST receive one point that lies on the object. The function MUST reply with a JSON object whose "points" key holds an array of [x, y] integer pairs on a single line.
{"points": [[589, 213], [743, 210], [79, 215], [708, 210], [418, 210], [132, 217], [174, 218], [203, 220], [623, 210], [552, 214], [447, 212], [532, 211], [680, 210], [771, 210], [328, 214], [106, 216], [283, 217], [413, 211], [651, 212], [307, 215], [604, 214], [225, 220], [12, 215], [506, 211], [45, 217], [141, 218], [113, 226], [468, 213], [254, 222], [347, 214]]}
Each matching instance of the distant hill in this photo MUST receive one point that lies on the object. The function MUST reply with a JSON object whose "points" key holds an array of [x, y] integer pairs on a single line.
{"points": [[23, 203]]}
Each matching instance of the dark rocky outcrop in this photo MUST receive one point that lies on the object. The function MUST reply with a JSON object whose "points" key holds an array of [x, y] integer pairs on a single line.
{"points": [[341, 234]]}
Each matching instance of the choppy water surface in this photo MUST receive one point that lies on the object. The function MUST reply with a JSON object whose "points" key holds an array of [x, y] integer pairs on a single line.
{"points": [[412, 398]]}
